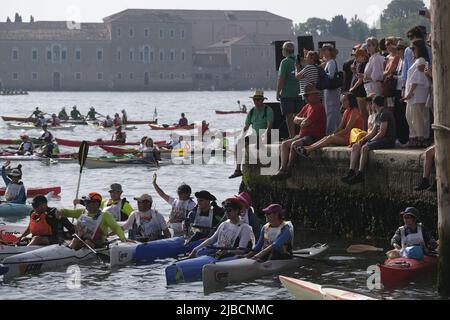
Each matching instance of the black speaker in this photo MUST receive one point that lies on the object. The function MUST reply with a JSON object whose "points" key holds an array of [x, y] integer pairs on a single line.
{"points": [[305, 42], [279, 53], [322, 43]]}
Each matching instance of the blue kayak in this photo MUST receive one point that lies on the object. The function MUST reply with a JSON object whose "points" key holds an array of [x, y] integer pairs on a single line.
{"points": [[190, 270], [163, 249], [14, 210]]}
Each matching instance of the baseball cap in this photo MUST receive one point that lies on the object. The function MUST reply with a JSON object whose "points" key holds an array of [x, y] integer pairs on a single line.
{"points": [[116, 187], [93, 196], [273, 208], [144, 197]]}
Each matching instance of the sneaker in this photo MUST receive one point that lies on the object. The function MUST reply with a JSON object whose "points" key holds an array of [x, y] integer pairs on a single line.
{"points": [[350, 174], [359, 178], [424, 185], [236, 174]]}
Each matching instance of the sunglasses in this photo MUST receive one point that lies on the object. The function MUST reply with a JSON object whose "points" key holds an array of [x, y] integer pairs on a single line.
{"points": [[407, 217]]}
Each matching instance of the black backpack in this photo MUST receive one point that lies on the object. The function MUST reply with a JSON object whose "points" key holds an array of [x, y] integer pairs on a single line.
{"points": [[338, 80]]}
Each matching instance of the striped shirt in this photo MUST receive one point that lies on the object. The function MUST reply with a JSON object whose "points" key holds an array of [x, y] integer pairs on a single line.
{"points": [[310, 75]]}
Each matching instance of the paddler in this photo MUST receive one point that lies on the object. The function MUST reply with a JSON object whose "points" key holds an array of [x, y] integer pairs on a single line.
{"points": [[412, 240], [93, 225], [117, 121], [54, 121], [62, 115], [124, 117], [45, 226], [15, 190], [183, 122], [180, 206], [117, 206], [248, 214], [119, 136], [91, 116], [276, 238], [205, 217], [26, 148], [233, 236], [75, 114], [146, 224], [150, 151], [108, 123], [49, 148], [37, 113]]}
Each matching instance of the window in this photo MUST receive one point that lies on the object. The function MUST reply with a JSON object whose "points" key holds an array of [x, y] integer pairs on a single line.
{"points": [[161, 76], [172, 76], [131, 32], [99, 76], [172, 54], [119, 32], [247, 52], [146, 33], [119, 54], [34, 55], [183, 34], [15, 54], [100, 54], [56, 53], [64, 55], [78, 76], [34, 76], [131, 76], [78, 54], [161, 33], [172, 34], [161, 55], [131, 55], [141, 55], [15, 76], [152, 55], [49, 55], [119, 76], [146, 54], [183, 55]]}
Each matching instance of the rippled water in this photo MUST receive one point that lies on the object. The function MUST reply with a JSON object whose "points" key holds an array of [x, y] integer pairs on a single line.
{"points": [[148, 282]]}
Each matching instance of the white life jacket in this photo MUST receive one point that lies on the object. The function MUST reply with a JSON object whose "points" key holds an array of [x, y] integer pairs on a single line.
{"points": [[244, 217], [229, 234], [26, 147], [115, 210], [148, 153], [179, 212], [147, 224], [89, 227], [412, 239], [12, 191], [204, 221], [271, 234]]}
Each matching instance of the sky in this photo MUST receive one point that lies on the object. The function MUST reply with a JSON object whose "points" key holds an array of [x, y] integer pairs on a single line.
{"points": [[96, 10]]}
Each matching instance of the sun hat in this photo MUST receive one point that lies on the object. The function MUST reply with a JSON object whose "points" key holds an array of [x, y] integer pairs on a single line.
{"points": [[273, 208], [116, 187], [259, 94], [205, 195], [144, 197]]}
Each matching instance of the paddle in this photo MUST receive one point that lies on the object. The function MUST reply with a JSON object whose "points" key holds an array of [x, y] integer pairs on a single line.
{"points": [[82, 156], [100, 256], [8, 239], [362, 248]]}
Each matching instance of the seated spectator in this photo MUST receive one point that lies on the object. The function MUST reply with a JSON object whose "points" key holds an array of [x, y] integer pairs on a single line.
{"points": [[382, 136], [430, 155]]}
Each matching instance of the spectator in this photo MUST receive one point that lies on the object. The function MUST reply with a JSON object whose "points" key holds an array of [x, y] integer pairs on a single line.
{"points": [[400, 106], [347, 68], [430, 155], [309, 74], [389, 82], [357, 85], [373, 74]]}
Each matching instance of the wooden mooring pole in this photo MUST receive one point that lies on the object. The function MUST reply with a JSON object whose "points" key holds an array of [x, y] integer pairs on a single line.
{"points": [[440, 17]]}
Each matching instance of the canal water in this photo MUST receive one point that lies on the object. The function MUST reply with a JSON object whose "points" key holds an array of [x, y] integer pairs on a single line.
{"points": [[148, 282]]}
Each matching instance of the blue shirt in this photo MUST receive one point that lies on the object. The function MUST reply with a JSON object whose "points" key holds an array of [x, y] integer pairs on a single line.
{"points": [[283, 238]]}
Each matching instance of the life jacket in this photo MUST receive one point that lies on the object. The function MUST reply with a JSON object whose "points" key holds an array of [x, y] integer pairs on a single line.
{"points": [[26, 146], [116, 209], [13, 190], [179, 212], [120, 137], [47, 136], [230, 234], [89, 227], [412, 239], [147, 224], [39, 226], [204, 222], [245, 219], [271, 234]]}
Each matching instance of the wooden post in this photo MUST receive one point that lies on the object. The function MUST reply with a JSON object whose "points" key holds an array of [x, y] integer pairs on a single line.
{"points": [[440, 17]]}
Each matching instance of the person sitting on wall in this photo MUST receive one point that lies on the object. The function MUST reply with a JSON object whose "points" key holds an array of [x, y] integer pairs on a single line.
{"points": [[430, 155]]}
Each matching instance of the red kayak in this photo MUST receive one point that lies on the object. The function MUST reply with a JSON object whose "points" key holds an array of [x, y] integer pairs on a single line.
{"points": [[77, 143], [131, 122], [399, 271], [170, 128], [18, 141], [118, 151], [32, 192], [230, 112]]}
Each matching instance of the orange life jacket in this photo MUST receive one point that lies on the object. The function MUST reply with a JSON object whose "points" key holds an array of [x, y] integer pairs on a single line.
{"points": [[39, 225]]}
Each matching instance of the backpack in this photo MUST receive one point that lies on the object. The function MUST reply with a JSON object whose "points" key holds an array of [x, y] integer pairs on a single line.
{"points": [[338, 80]]}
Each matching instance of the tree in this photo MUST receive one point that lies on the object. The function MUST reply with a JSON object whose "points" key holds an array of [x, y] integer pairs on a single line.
{"points": [[402, 9], [339, 27], [31, 19], [359, 30], [313, 27], [17, 18], [8, 20]]}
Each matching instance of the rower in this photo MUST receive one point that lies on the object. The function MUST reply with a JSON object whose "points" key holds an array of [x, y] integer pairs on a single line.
{"points": [[183, 121], [49, 148], [46, 135], [119, 136], [233, 236], [205, 217], [276, 237], [26, 148], [45, 226], [117, 121], [92, 114], [412, 240], [108, 123], [205, 127], [174, 142], [54, 121], [124, 117], [146, 224], [117, 206], [37, 113], [15, 190], [75, 114], [62, 115], [93, 225], [150, 151], [180, 206]]}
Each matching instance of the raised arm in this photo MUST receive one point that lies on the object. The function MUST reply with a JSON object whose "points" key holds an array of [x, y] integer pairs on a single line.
{"points": [[161, 193]]}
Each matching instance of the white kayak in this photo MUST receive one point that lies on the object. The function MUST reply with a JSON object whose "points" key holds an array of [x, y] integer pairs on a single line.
{"points": [[36, 158], [217, 276], [303, 290], [26, 126], [46, 259], [8, 251], [122, 253], [98, 163]]}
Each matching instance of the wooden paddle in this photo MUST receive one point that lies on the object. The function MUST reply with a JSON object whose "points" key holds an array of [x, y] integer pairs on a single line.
{"points": [[362, 248], [82, 156]]}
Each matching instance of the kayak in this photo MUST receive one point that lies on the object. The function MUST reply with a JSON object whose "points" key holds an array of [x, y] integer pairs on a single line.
{"points": [[8, 251], [114, 162], [46, 259], [14, 210], [61, 158], [170, 128], [32, 192], [165, 153], [32, 120], [190, 270], [230, 112], [400, 271], [142, 122], [302, 290], [77, 143], [18, 141], [33, 127], [113, 128], [217, 276]]}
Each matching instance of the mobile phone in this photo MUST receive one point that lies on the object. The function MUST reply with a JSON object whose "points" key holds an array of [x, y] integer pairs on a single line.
{"points": [[422, 12]]}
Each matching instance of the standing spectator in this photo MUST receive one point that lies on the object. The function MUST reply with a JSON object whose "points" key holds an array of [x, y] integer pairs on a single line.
{"points": [[383, 47], [400, 106], [309, 74], [331, 96], [389, 82], [288, 88], [416, 95], [373, 74], [347, 68], [357, 87]]}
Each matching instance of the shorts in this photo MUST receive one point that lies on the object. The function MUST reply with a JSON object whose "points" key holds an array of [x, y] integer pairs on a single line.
{"points": [[290, 105], [308, 140], [381, 144], [258, 141]]}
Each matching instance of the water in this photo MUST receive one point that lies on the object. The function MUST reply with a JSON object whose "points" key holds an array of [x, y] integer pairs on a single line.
{"points": [[148, 282]]}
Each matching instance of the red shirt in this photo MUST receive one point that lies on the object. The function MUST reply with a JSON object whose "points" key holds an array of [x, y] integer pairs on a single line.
{"points": [[359, 120], [316, 114]]}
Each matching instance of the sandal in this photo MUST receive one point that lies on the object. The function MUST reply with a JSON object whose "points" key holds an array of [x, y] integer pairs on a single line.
{"points": [[236, 174], [301, 151]]}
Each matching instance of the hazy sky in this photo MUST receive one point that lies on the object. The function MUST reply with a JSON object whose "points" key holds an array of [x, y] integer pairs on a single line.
{"points": [[95, 10]]}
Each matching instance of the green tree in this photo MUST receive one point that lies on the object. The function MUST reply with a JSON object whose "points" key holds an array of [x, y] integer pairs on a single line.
{"points": [[313, 27], [339, 27], [359, 30], [402, 9]]}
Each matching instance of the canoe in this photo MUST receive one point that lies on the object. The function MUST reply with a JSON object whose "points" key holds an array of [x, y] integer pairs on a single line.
{"points": [[190, 270], [303, 290], [119, 151], [142, 122], [230, 112], [46, 259], [114, 162], [113, 128], [14, 210], [171, 128], [395, 272], [8, 251], [61, 158], [18, 141], [77, 143], [33, 120], [32, 192], [217, 276], [33, 127]]}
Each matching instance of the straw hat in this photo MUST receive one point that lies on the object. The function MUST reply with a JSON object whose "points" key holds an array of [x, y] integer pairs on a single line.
{"points": [[259, 94]]}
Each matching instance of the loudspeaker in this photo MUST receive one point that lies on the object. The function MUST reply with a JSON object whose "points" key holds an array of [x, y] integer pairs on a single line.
{"points": [[279, 53], [305, 42], [321, 43]]}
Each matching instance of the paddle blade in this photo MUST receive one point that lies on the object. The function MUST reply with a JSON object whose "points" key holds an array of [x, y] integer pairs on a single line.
{"points": [[8, 238], [83, 153], [361, 248]]}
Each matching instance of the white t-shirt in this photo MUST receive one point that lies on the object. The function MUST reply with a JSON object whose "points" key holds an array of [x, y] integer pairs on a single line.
{"points": [[181, 209], [153, 218], [415, 76]]}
